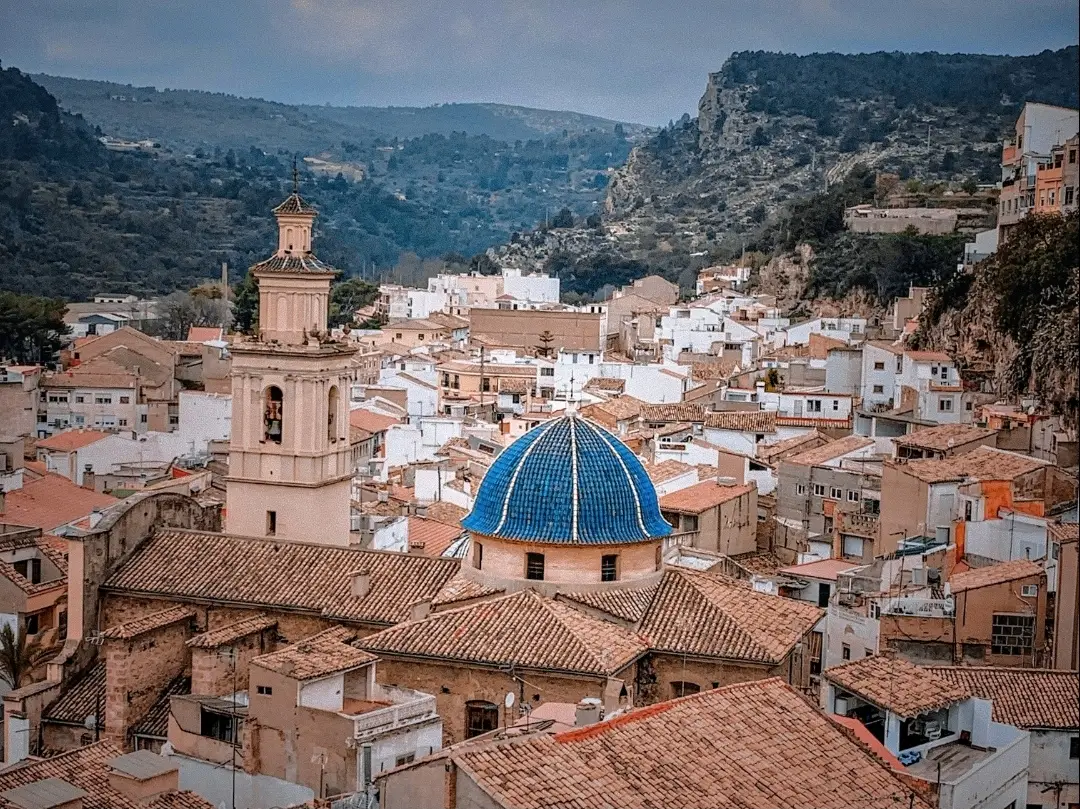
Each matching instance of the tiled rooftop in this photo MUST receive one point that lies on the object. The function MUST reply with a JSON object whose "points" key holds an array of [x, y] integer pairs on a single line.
{"points": [[748, 421], [88, 769], [1064, 531], [830, 451], [430, 537], [944, 436], [714, 616], [1026, 698], [993, 574], [266, 574], [295, 204], [51, 501], [666, 470], [81, 699], [460, 589], [618, 408], [148, 623], [628, 604], [982, 463], [678, 411], [896, 685], [790, 446], [225, 635], [318, 656], [702, 496], [523, 628], [155, 722], [757, 745], [371, 422], [70, 440], [827, 569]]}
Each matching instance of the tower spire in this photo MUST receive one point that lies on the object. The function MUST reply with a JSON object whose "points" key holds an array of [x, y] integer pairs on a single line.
{"points": [[295, 177]]}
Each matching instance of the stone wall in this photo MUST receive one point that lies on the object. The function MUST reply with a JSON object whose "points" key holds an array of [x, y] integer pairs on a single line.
{"points": [[213, 673]]}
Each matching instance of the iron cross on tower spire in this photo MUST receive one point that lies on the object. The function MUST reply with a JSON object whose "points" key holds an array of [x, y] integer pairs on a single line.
{"points": [[295, 177]]}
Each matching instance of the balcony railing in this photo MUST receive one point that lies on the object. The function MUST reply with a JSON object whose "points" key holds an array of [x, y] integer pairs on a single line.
{"points": [[918, 607], [411, 707]]}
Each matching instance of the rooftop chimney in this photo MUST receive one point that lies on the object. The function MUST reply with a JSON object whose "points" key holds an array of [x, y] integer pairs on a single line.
{"points": [[724, 481], [143, 776], [361, 583], [48, 793], [588, 712]]}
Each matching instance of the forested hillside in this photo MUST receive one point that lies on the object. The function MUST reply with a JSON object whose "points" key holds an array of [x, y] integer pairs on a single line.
{"points": [[76, 219]]}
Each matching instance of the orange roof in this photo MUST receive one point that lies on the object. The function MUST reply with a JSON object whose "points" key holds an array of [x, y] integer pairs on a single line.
{"points": [[678, 411], [993, 574], [831, 451], [51, 501], [944, 436], [752, 421], [896, 685], [822, 569], [148, 623], [929, 356], [982, 463], [319, 656], [430, 537], [756, 745], [1064, 532], [200, 334], [1026, 698], [370, 421], [863, 734], [702, 496], [70, 440], [225, 635]]}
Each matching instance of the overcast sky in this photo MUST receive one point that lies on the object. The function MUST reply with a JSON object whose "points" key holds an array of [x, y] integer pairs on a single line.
{"points": [[635, 60]]}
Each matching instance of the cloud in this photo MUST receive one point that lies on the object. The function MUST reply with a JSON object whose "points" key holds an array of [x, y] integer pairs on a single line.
{"points": [[637, 60]]}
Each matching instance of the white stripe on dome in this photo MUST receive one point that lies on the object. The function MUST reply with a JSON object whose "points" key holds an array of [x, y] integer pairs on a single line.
{"points": [[574, 479], [517, 471], [629, 479]]}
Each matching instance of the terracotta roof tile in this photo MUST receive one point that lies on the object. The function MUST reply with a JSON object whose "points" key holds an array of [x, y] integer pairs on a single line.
{"points": [[618, 408], [460, 589], [430, 537], [628, 604], [830, 451], [295, 204], [822, 569], [896, 685], [523, 628], [763, 562], [81, 699], [225, 635], [928, 356], [264, 573], [148, 623], [1064, 532], [749, 421], [771, 453], [69, 440], [318, 656], [155, 722], [603, 383], [294, 262], [993, 574], [51, 501], [1026, 698], [702, 496], [944, 436], [8, 571], [813, 423], [982, 463], [445, 512], [201, 334], [666, 470], [370, 421], [679, 411], [88, 769], [757, 745], [713, 616]]}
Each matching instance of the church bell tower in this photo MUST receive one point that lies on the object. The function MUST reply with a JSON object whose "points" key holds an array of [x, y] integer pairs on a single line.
{"points": [[290, 461]]}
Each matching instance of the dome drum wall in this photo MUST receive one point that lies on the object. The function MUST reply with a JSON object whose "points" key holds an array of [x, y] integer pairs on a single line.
{"points": [[568, 482], [504, 564]]}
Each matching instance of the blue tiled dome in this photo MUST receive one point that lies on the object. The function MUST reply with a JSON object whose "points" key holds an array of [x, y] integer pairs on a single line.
{"points": [[567, 481]]}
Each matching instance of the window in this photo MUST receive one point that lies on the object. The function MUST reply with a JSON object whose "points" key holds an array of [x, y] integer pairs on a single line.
{"points": [[852, 496], [121, 422], [547, 372], [682, 688], [61, 625], [103, 400], [1029, 590], [32, 625], [485, 384], [1069, 191], [29, 569], [534, 566], [142, 418], [813, 405], [477, 555], [800, 489], [218, 726], [823, 593], [853, 547], [271, 523], [879, 388], [407, 759], [1072, 159], [688, 522], [836, 493], [125, 400], [264, 690], [1012, 634], [819, 490], [868, 652], [845, 651], [835, 404], [944, 405], [609, 567], [969, 405], [480, 717], [272, 416], [879, 366], [1074, 747], [333, 404]]}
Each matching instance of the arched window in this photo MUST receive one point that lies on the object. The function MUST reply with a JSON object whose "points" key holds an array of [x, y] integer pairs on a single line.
{"points": [[273, 414], [480, 717], [332, 406], [681, 688], [288, 239]]}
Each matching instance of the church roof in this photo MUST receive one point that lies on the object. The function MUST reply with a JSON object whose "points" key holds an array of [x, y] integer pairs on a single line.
{"points": [[294, 262], [294, 204], [567, 481]]}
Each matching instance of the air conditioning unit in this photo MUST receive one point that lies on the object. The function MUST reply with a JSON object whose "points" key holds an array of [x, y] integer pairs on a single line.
{"points": [[918, 576], [3, 462]]}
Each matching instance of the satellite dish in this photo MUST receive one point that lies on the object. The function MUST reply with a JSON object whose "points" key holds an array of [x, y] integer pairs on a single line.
{"points": [[509, 700]]}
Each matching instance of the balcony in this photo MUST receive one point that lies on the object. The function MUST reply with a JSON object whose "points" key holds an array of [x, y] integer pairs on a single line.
{"points": [[857, 523], [918, 607], [388, 709]]}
